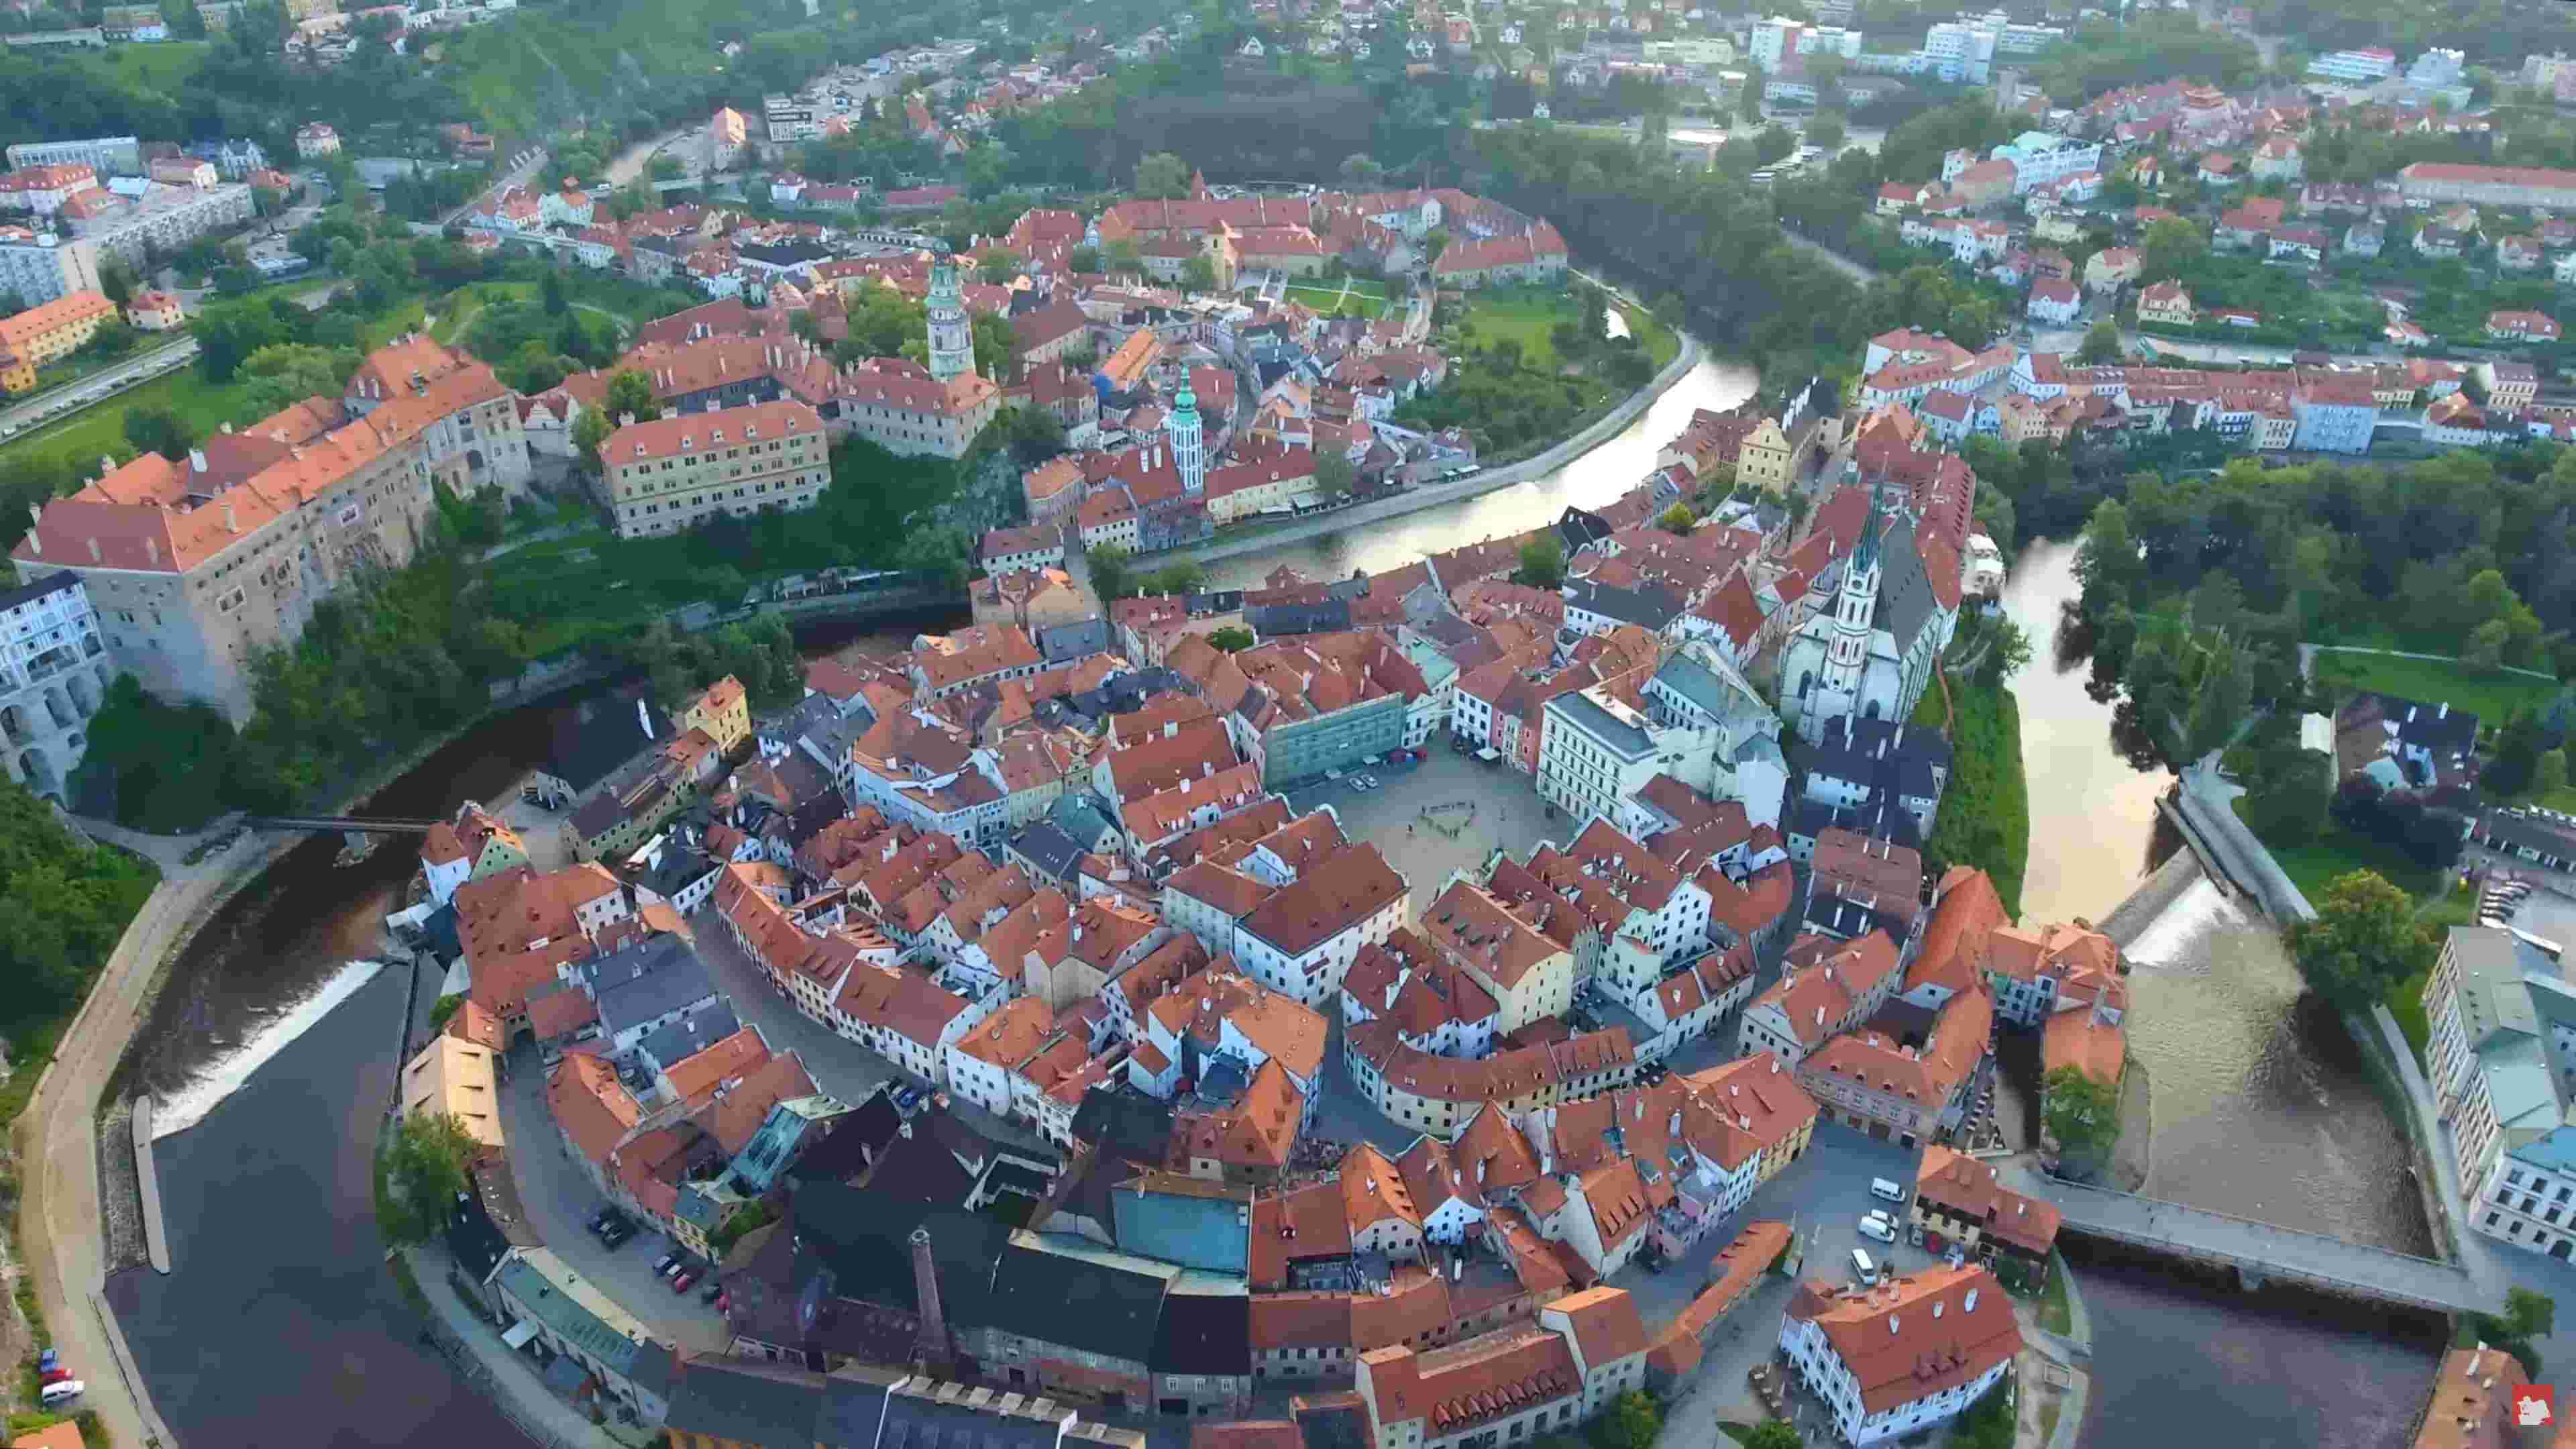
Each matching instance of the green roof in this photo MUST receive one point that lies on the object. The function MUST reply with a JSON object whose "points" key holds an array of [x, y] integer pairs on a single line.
{"points": [[574, 1309]]}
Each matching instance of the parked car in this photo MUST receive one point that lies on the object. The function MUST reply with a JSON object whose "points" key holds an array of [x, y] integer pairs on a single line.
{"points": [[663, 1264], [1876, 1225], [615, 1238], [49, 1360], [713, 1291], [681, 1283], [61, 1393]]}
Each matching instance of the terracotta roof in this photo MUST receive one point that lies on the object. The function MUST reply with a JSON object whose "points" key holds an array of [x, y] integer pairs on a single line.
{"points": [[1739, 1265], [1605, 1322], [725, 1061], [1276, 1024], [1900, 1350], [1330, 896], [1300, 1320], [1927, 1077], [1478, 931], [911, 1006], [1954, 946], [1453, 1390], [592, 1107], [1964, 1187]]}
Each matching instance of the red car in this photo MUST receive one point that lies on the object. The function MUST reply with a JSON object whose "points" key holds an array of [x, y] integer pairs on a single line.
{"points": [[681, 1283]]}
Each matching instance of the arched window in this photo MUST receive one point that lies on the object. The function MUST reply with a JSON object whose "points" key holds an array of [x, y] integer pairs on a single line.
{"points": [[1806, 681]]}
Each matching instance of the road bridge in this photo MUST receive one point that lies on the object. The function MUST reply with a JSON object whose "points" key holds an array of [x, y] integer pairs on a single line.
{"points": [[2259, 1252]]}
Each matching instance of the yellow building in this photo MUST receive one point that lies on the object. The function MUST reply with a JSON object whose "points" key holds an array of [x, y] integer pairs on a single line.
{"points": [[1763, 461], [664, 475], [724, 712], [44, 335], [453, 1077]]}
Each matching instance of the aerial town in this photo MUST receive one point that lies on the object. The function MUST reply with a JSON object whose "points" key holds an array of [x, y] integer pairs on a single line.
{"points": [[1287, 726]]}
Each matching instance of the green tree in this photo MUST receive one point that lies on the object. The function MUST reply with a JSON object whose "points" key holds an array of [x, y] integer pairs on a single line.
{"points": [[1986, 1424], [2170, 245], [1542, 563], [2549, 775], [1232, 639], [630, 393], [1112, 574], [424, 1172], [154, 429], [2364, 940], [1198, 274], [2007, 650], [1677, 519], [2101, 343], [589, 431], [1162, 175], [556, 303], [1083, 260], [1123, 255], [171, 764], [1335, 475], [116, 279], [2083, 1113], [1773, 1434], [1827, 129], [995, 266], [2287, 792], [1631, 1422]]}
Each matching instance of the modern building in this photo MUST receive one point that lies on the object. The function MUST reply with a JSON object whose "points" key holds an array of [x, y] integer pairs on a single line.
{"points": [[53, 674], [108, 155], [2514, 186], [667, 475], [549, 1303], [2502, 1059], [2358, 67], [42, 267]]}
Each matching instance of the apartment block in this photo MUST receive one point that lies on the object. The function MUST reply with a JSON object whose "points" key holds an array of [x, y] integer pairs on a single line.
{"points": [[53, 673]]}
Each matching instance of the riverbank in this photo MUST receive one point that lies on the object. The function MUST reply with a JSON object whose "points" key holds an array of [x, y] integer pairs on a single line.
{"points": [[1492, 480]]}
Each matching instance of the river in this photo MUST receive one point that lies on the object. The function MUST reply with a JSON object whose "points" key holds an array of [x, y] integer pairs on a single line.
{"points": [[2258, 1108]]}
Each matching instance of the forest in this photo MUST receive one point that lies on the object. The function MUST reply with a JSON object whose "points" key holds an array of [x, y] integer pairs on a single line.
{"points": [[63, 904], [2199, 589]]}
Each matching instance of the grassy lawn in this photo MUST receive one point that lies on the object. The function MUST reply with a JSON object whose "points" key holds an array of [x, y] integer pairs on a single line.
{"points": [[1328, 300], [2312, 864], [1525, 315], [1662, 343], [2054, 1315], [86, 435], [2490, 695], [166, 65]]}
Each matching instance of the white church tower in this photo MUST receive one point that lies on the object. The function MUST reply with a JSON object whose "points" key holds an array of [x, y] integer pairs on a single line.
{"points": [[952, 337], [1847, 653], [1189, 453]]}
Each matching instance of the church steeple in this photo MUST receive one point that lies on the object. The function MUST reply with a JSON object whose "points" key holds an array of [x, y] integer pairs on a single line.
{"points": [[952, 337], [1189, 453], [1847, 653]]}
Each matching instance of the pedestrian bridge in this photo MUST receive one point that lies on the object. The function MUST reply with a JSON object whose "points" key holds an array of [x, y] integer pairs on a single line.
{"points": [[2262, 1252]]}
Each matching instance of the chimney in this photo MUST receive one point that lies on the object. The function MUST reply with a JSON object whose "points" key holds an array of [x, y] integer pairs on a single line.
{"points": [[931, 1343]]}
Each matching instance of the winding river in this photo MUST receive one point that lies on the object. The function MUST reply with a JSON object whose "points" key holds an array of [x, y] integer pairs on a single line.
{"points": [[279, 1308]]}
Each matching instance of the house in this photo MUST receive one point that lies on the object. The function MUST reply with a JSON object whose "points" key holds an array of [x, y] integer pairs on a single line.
{"points": [[2218, 169], [2110, 269], [1958, 1197], [2517, 326], [2501, 1058], [1512, 1385], [2364, 238], [2277, 159], [1904, 1355], [2166, 304], [2518, 253], [2302, 243], [2054, 303], [2436, 241]]}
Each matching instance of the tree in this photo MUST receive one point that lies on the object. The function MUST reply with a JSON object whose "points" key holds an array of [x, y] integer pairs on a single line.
{"points": [[1123, 255], [631, 392], [1162, 175], [115, 278], [1084, 261], [2170, 245], [1827, 129], [2364, 940], [1112, 575], [2287, 792], [424, 1169], [153, 429], [1198, 274], [1362, 170], [1989, 1423], [1542, 563], [2101, 344], [995, 266], [1631, 1422], [2082, 1112], [1233, 639], [1677, 519], [1773, 1434], [553, 289], [589, 431], [2549, 776], [1335, 476]]}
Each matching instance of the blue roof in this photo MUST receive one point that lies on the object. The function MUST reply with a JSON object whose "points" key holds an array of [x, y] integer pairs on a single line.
{"points": [[690, 1035], [1209, 1230]]}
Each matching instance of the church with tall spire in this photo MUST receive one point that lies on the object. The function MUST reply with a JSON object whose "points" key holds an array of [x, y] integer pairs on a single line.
{"points": [[1846, 662]]}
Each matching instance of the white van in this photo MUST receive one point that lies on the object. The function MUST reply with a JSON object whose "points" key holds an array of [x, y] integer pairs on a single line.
{"points": [[1863, 1269], [1882, 1188], [61, 1393]]}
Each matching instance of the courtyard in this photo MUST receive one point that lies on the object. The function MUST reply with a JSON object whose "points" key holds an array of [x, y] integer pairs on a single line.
{"points": [[1414, 809]]}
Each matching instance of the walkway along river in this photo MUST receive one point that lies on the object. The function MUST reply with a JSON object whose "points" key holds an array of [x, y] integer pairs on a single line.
{"points": [[280, 1324]]}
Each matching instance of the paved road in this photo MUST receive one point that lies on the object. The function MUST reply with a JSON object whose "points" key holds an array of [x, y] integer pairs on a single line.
{"points": [[141, 367], [560, 1200], [57, 1138]]}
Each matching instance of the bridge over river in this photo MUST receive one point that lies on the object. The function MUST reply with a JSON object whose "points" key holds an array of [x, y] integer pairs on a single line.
{"points": [[2259, 1252]]}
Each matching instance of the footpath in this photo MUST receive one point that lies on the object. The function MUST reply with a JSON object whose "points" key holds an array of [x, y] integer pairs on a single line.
{"points": [[57, 1136]]}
